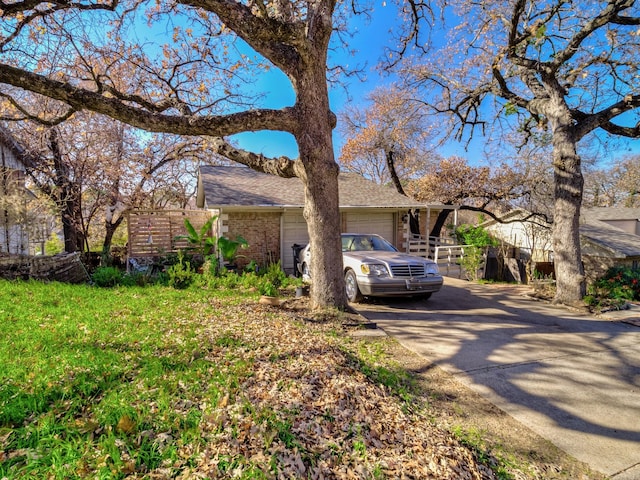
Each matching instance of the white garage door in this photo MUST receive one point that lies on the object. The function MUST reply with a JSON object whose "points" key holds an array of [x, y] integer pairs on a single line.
{"points": [[380, 223], [294, 230]]}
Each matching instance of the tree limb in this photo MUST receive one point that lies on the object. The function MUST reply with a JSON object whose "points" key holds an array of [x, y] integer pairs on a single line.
{"points": [[276, 40], [602, 119], [212, 125], [280, 166]]}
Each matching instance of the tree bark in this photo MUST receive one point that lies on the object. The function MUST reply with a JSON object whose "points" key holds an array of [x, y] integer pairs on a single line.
{"points": [[67, 198], [391, 166], [110, 228], [320, 171], [568, 187], [440, 222]]}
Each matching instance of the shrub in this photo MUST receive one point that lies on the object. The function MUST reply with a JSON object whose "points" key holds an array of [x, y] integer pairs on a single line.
{"points": [[137, 279], [275, 275], [53, 245], [268, 289], [479, 239], [107, 277], [474, 235], [618, 283], [181, 275], [471, 261]]}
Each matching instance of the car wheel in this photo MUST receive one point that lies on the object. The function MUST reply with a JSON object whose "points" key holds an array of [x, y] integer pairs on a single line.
{"points": [[351, 286], [306, 274]]}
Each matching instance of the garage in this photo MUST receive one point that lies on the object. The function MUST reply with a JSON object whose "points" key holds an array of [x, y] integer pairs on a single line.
{"points": [[366, 222], [294, 230]]}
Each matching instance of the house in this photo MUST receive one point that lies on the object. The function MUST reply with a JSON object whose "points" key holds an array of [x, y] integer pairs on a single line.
{"points": [[608, 236], [267, 210], [529, 235], [525, 246], [13, 196]]}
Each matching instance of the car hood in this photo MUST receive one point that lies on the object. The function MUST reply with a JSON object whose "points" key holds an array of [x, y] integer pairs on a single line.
{"points": [[385, 257]]}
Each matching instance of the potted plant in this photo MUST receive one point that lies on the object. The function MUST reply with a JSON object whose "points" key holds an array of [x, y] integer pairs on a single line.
{"points": [[269, 293]]}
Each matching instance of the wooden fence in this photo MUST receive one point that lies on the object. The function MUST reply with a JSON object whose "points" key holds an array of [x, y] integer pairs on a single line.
{"points": [[153, 232]]}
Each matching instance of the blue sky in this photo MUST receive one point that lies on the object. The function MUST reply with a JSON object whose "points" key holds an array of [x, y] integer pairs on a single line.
{"points": [[368, 41]]}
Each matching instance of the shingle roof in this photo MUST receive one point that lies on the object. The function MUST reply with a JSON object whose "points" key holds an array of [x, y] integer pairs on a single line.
{"points": [[239, 187], [611, 213], [594, 227], [616, 241]]}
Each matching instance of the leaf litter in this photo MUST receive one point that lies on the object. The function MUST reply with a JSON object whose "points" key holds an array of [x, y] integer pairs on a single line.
{"points": [[303, 410]]}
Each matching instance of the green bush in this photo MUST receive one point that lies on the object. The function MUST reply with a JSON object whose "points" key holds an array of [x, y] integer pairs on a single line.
{"points": [[181, 275], [275, 275], [471, 261], [618, 283], [474, 235], [479, 239], [107, 277], [267, 288], [53, 245]]}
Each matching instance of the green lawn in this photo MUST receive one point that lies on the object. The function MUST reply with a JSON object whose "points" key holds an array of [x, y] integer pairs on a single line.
{"points": [[153, 382]]}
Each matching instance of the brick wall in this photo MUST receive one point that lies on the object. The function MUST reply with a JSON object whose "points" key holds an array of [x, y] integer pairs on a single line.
{"points": [[261, 230]]}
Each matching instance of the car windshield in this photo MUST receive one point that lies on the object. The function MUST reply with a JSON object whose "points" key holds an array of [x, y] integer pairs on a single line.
{"points": [[359, 243]]}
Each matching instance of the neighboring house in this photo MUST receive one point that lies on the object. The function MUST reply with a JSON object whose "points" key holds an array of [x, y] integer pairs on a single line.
{"points": [[13, 196], [531, 239], [267, 210], [608, 236], [525, 248]]}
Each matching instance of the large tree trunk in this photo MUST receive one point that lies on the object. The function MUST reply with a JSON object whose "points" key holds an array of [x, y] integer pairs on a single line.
{"points": [[74, 239], [568, 184], [436, 231], [323, 218], [320, 176]]}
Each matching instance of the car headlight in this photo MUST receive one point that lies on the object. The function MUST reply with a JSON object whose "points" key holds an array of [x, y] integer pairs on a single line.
{"points": [[431, 269], [374, 269]]}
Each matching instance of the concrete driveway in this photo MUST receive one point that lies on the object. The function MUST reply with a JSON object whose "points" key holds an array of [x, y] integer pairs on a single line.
{"points": [[572, 378]]}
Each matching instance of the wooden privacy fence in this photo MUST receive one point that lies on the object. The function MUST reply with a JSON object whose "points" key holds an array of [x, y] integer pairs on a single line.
{"points": [[153, 232]]}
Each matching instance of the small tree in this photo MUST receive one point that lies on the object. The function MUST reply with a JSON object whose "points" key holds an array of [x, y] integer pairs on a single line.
{"points": [[477, 240]]}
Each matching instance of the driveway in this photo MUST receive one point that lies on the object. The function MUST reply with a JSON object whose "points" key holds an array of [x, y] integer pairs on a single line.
{"points": [[572, 378]]}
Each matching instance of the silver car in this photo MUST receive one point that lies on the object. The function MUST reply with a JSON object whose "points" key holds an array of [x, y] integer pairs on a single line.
{"points": [[374, 267]]}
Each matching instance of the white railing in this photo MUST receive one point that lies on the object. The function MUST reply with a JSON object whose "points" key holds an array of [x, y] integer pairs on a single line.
{"points": [[425, 246], [442, 250], [448, 258]]}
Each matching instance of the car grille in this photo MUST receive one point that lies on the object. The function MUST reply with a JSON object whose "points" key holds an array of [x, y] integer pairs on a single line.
{"points": [[408, 270]]}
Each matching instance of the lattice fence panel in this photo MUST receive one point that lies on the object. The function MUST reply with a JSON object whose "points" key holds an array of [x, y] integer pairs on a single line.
{"points": [[153, 232]]}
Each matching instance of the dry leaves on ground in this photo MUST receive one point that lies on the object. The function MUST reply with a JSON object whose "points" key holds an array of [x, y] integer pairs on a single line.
{"points": [[303, 410]]}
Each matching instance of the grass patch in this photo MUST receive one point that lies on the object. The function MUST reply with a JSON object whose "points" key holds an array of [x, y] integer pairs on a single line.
{"points": [[110, 382], [202, 382]]}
